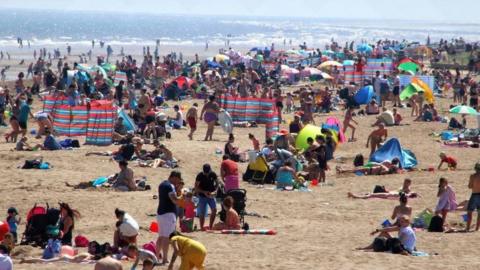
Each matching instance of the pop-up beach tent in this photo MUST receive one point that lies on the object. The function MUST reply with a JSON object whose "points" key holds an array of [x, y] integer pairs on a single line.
{"points": [[392, 149]]}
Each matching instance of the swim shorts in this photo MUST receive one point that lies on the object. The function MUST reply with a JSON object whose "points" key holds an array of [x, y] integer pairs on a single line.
{"points": [[166, 224], [474, 202]]}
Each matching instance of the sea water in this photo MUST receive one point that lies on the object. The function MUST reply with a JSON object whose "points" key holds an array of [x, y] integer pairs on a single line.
{"points": [[52, 28]]}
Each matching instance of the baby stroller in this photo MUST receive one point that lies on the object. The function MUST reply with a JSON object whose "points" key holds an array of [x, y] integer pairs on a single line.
{"points": [[239, 203], [42, 224]]}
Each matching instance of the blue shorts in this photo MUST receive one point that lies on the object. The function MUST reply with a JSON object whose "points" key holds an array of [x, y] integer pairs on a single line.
{"points": [[474, 202], [202, 205]]}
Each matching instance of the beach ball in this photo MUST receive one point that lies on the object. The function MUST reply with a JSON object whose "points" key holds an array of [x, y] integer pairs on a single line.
{"points": [[154, 227], [306, 132], [4, 229], [33, 131]]}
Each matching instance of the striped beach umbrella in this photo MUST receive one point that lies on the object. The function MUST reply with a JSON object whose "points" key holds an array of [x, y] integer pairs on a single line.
{"points": [[461, 109]]}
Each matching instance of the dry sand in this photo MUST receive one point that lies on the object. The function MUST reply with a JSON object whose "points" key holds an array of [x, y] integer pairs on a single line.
{"points": [[316, 230]]}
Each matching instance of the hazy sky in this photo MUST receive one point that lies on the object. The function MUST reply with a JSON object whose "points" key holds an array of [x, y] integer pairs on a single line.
{"points": [[458, 10]]}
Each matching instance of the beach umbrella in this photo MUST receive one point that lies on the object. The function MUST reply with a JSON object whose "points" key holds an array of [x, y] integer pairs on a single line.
{"points": [[462, 109], [410, 90], [329, 64], [222, 57], [409, 66], [427, 90], [326, 76], [295, 52], [291, 71], [109, 67], [309, 71], [365, 48], [210, 72], [348, 62], [212, 64]]}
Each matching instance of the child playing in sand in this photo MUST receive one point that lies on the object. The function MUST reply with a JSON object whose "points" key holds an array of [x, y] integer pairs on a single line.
{"points": [[451, 162], [347, 124], [13, 221], [140, 254], [232, 221], [397, 118], [192, 118], [193, 253]]}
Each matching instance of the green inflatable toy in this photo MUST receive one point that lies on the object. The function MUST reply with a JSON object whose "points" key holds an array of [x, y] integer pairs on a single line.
{"points": [[308, 131]]}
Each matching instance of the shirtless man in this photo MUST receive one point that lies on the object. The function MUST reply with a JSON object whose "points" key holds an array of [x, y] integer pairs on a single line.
{"points": [[192, 118], [474, 202], [347, 123], [144, 103], [209, 112], [376, 137]]}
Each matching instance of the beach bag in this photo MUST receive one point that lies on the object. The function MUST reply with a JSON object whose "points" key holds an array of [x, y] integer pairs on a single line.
{"points": [[81, 241], [75, 144], [436, 224], [52, 249], [379, 244]]}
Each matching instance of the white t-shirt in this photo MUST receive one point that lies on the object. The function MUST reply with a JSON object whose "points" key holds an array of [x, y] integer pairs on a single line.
{"points": [[129, 227], [408, 238], [179, 121], [387, 117], [5, 262]]}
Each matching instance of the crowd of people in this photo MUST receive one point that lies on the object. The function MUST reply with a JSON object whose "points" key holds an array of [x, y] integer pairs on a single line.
{"points": [[148, 87]]}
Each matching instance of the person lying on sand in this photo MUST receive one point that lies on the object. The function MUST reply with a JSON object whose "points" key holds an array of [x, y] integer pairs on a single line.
{"points": [[108, 263], [406, 238], [386, 167], [160, 157], [386, 194], [83, 257]]}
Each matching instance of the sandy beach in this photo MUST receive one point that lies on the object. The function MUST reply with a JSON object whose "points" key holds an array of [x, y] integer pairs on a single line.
{"points": [[316, 230]]}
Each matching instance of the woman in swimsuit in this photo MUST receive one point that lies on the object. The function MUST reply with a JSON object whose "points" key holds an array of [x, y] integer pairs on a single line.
{"points": [[209, 112]]}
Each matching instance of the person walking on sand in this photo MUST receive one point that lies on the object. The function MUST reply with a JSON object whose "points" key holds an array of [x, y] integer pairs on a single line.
{"points": [[166, 213], [474, 202], [192, 118], [376, 137], [347, 123], [209, 112]]}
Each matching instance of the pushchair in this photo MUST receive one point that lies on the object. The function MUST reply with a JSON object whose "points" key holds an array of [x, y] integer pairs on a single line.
{"points": [[42, 224], [239, 204]]}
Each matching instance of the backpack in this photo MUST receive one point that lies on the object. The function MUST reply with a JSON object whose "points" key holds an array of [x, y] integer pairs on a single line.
{"points": [[379, 244], [52, 249], [436, 224]]}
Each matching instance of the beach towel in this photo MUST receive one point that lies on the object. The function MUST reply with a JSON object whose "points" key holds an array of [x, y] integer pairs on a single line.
{"points": [[392, 149]]}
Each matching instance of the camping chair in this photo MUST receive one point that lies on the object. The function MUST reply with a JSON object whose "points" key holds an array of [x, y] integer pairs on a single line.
{"points": [[259, 170]]}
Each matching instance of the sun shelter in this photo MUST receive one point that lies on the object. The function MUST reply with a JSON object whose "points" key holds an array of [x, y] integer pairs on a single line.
{"points": [[258, 110], [392, 149], [95, 120]]}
